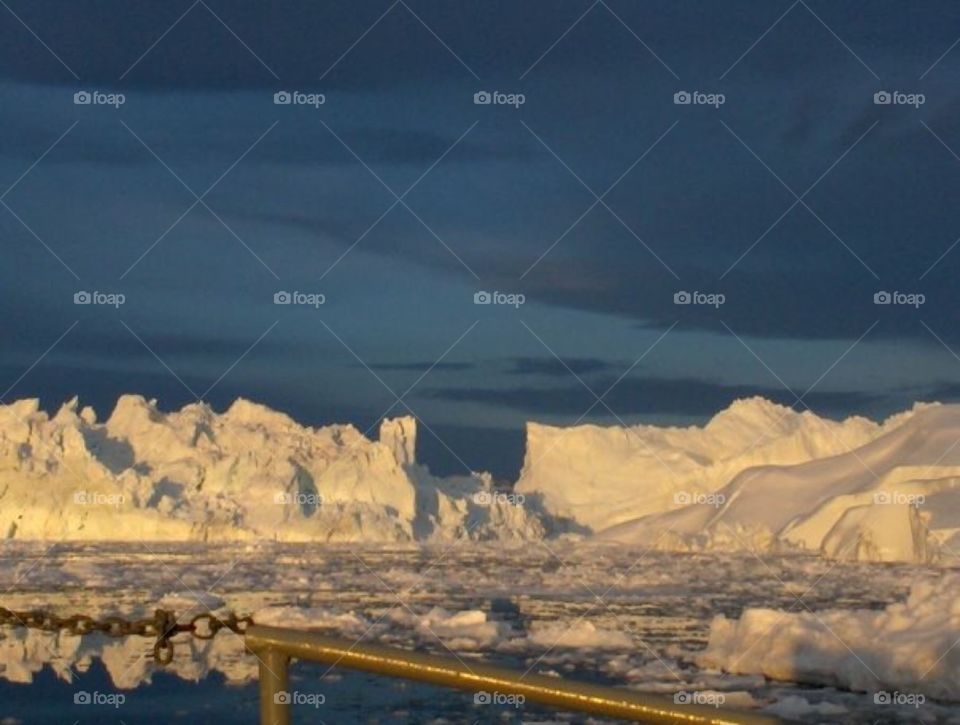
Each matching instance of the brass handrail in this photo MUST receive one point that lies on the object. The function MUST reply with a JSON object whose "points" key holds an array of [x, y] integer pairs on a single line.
{"points": [[275, 646]]}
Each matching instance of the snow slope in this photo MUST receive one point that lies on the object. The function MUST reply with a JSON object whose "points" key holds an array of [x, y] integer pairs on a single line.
{"points": [[908, 648], [893, 498], [601, 477], [249, 473]]}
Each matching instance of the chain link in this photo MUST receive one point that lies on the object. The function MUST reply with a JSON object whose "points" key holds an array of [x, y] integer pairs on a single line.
{"points": [[163, 626]]}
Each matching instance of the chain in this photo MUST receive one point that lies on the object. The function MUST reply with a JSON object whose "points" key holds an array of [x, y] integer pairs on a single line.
{"points": [[163, 626]]}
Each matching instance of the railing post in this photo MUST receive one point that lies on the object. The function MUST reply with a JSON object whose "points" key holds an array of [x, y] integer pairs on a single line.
{"points": [[274, 687]]}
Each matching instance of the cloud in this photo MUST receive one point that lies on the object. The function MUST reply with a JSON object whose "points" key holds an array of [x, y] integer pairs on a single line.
{"points": [[554, 368], [699, 203], [421, 366], [646, 396], [224, 46]]}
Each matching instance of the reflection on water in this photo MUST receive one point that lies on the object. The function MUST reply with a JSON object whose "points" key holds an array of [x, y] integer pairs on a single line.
{"points": [[347, 697]]}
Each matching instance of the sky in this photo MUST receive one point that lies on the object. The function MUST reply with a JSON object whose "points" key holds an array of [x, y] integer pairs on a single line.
{"points": [[786, 233]]}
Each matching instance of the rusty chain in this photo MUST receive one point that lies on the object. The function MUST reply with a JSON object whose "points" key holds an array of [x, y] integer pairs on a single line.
{"points": [[163, 625]]}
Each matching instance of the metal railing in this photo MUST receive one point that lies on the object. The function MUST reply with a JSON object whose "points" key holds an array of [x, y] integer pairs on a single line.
{"points": [[276, 646]]}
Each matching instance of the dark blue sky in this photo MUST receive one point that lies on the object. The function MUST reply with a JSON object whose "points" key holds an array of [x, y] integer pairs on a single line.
{"points": [[399, 198]]}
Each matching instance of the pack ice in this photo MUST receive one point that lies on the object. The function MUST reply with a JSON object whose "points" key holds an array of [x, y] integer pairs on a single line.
{"points": [[908, 647], [249, 473]]}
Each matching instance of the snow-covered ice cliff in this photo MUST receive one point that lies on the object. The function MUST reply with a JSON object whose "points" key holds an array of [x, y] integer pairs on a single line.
{"points": [[603, 476], [249, 473], [756, 477], [893, 497]]}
